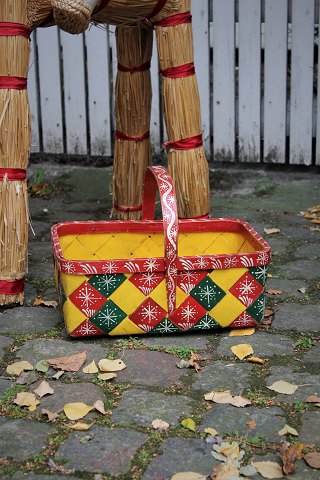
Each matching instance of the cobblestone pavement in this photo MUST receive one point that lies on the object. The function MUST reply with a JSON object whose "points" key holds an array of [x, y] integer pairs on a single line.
{"points": [[122, 444]]}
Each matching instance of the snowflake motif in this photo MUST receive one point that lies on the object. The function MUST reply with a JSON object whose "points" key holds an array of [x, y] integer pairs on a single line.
{"points": [[189, 277], [170, 252], [247, 287], [263, 258], [261, 273], [110, 267], [173, 233], [173, 270], [106, 282], [149, 313], [230, 262], [87, 329], [167, 215], [245, 318], [148, 279], [166, 327], [107, 317], [201, 263], [87, 298], [171, 199], [188, 313], [205, 323], [151, 264], [207, 293], [260, 305], [69, 268]]}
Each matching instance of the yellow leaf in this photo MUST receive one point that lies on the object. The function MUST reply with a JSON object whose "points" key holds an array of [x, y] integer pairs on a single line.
{"points": [[26, 399], [18, 367], [287, 430], [211, 431], [257, 360], [188, 476], [77, 410], [315, 220], [226, 397], [270, 231], [242, 350], [91, 368], [43, 389], [312, 399], [268, 469], [99, 405], [81, 426], [189, 424], [106, 365], [160, 425], [241, 332], [106, 376], [52, 416], [283, 387]]}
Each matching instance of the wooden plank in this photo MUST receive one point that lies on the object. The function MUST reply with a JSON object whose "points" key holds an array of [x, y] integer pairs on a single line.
{"points": [[74, 93], [156, 119], [97, 45], [200, 10], [301, 82], [249, 80], [275, 80], [33, 96], [50, 90], [223, 80]]}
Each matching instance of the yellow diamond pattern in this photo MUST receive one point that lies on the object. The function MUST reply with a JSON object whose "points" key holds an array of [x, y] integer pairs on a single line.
{"points": [[159, 295], [126, 327], [228, 277], [227, 310], [127, 297], [74, 317]]}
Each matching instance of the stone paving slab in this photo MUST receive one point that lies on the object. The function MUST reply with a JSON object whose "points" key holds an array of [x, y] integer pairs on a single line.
{"points": [[301, 472], [181, 455], [21, 439], [310, 428], [109, 451], [144, 367], [229, 419], [312, 355], [35, 476], [289, 288], [41, 271], [39, 252], [310, 384], [223, 375], [264, 345], [141, 407], [302, 269], [23, 320], [4, 385], [292, 316], [310, 251], [186, 341], [4, 343]]}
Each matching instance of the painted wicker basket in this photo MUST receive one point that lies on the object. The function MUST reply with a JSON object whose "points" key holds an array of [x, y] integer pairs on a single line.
{"points": [[126, 277]]}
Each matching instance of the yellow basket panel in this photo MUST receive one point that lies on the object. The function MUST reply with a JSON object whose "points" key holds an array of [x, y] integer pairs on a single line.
{"points": [[126, 327], [227, 310], [72, 315], [159, 295], [76, 251], [228, 277], [127, 297], [150, 247], [71, 282]]}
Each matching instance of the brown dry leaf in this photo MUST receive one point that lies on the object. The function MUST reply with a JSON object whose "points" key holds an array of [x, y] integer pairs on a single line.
{"points": [[283, 387], [188, 476], [274, 292], [224, 471], [268, 469], [289, 454], [194, 362], [71, 363], [270, 231], [287, 430], [315, 220], [52, 416], [226, 397], [313, 459], [27, 399], [241, 332], [91, 368], [160, 425], [313, 399], [314, 209], [77, 410], [80, 426], [268, 312], [43, 389], [242, 350], [309, 216], [107, 376], [251, 424], [106, 365], [18, 367], [257, 360], [46, 303], [99, 405]]}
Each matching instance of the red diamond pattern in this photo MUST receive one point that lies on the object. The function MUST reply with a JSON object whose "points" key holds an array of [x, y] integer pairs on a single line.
{"points": [[86, 329], [148, 315], [246, 289], [87, 299], [188, 314], [244, 320], [146, 282], [189, 279]]}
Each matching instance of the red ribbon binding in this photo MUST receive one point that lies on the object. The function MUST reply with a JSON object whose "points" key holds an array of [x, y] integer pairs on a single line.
{"points": [[121, 208], [16, 83], [141, 68], [157, 9], [14, 287], [123, 136], [13, 173], [198, 217], [180, 71], [174, 20], [12, 29], [185, 143]]}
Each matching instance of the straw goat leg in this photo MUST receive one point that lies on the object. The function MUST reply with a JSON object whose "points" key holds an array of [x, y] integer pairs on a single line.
{"points": [[73, 16]]}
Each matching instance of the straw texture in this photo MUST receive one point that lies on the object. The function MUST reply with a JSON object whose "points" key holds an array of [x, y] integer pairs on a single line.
{"points": [[14, 151], [72, 16], [38, 12]]}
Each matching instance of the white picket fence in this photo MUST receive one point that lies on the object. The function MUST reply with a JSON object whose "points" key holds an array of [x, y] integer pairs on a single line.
{"points": [[256, 63]]}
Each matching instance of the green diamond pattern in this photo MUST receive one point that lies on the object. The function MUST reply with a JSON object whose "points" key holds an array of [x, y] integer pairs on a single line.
{"points": [[260, 274], [108, 283], [207, 293], [165, 326], [206, 323], [108, 317], [256, 310]]}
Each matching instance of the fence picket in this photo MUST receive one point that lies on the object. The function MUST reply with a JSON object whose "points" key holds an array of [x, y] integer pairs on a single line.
{"points": [[33, 97], [156, 119]]}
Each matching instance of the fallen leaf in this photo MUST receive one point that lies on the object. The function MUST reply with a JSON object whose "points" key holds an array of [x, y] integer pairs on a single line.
{"points": [[18, 367], [268, 469], [106, 365], [314, 229], [57, 375], [287, 430], [46, 303], [270, 231], [211, 431], [91, 368], [52, 416], [43, 389], [106, 376], [42, 367], [274, 292], [224, 471], [59, 468], [226, 397], [309, 216], [289, 454], [302, 289], [160, 425], [242, 350], [183, 364], [312, 399], [80, 426], [256, 360], [241, 332], [71, 363], [27, 399], [251, 424], [240, 402], [99, 405], [189, 424], [188, 476], [194, 362], [315, 220], [268, 312], [77, 410], [283, 387], [313, 459], [314, 209]]}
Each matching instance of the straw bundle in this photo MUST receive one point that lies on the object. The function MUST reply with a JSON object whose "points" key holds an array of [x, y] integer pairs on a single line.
{"points": [[14, 154], [38, 12], [132, 116], [188, 168]]}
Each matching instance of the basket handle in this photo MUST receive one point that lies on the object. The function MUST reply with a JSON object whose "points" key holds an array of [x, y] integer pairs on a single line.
{"points": [[158, 177]]}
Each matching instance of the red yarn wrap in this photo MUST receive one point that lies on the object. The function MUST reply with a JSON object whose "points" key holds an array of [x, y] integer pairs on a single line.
{"points": [[121, 208], [13, 173], [186, 143], [16, 83], [157, 9], [11, 287], [141, 68], [13, 29], [123, 136], [180, 71], [174, 20]]}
